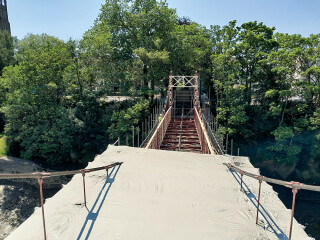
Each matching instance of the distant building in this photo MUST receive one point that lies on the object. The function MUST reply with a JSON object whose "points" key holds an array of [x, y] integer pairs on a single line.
{"points": [[4, 20]]}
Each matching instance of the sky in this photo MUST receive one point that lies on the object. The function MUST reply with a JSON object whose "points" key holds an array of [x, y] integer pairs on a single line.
{"points": [[71, 18]]}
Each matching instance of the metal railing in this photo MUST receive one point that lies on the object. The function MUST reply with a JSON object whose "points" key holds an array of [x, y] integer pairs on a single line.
{"points": [[117, 142], [180, 135], [150, 124], [206, 147], [42, 175], [295, 186], [216, 144], [159, 133]]}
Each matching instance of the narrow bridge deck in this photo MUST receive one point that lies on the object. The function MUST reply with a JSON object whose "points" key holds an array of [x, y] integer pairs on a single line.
{"points": [[181, 135], [160, 195]]}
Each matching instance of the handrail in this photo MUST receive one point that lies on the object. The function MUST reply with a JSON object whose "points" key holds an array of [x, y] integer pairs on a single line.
{"points": [[212, 136], [295, 186], [148, 137], [203, 135], [158, 135], [291, 184], [53, 174], [151, 132], [41, 175], [117, 142], [180, 131]]}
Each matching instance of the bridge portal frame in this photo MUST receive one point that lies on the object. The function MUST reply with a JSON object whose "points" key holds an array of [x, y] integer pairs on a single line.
{"points": [[182, 82]]}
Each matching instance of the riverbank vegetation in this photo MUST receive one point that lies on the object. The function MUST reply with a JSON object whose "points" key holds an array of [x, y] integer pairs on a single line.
{"points": [[267, 88], [264, 86]]}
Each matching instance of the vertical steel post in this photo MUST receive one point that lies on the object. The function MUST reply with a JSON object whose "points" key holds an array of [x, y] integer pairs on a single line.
{"points": [[147, 127], [162, 133], [260, 181], [238, 152], [227, 143], [241, 182], [142, 132], [40, 181], [84, 189], [138, 132], [132, 136], [231, 147], [153, 120], [294, 191]]}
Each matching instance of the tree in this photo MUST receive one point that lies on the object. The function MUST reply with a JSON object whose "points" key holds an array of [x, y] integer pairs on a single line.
{"points": [[135, 36], [38, 125], [6, 50], [123, 121]]}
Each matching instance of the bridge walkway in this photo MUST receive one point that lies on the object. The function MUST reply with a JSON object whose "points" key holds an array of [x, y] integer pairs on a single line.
{"points": [[181, 135], [160, 195], [183, 127]]}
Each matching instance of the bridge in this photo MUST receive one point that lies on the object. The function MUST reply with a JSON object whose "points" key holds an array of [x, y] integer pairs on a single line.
{"points": [[179, 184], [183, 126]]}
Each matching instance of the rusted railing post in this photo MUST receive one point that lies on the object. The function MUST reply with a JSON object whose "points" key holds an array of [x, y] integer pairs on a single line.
{"points": [[231, 147], [294, 191], [132, 136], [84, 188], [227, 143], [260, 181], [40, 181]]}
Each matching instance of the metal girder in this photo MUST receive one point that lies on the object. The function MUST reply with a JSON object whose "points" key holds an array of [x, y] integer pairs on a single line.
{"points": [[184, 81]]}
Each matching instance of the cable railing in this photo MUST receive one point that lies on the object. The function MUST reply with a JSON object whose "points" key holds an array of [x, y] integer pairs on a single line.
{"points": [[151, 125], [180, 134], [160, 131], [295, 186], [42, 175], [140, 134], [214, 141], [206, 147]]}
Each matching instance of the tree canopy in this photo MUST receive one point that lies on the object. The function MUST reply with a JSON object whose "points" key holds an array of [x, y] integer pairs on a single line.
{"points": [[264, 86]]}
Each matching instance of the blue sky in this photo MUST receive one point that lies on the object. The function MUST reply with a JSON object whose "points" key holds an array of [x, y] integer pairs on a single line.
{"points": [[71, 18]]}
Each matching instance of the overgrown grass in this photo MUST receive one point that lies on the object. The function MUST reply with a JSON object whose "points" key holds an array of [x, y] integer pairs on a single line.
{"points": [[2, 145]]}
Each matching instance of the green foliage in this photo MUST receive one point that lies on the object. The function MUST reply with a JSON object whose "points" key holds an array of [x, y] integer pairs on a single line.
{"points": [[51, 111], [282, 134], [128, 43], [123, 121], [266, 86], [3, 146], [6, 50]]}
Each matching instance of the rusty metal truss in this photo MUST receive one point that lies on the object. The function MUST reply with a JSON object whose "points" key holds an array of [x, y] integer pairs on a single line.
{"points": [[184, 81]]}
